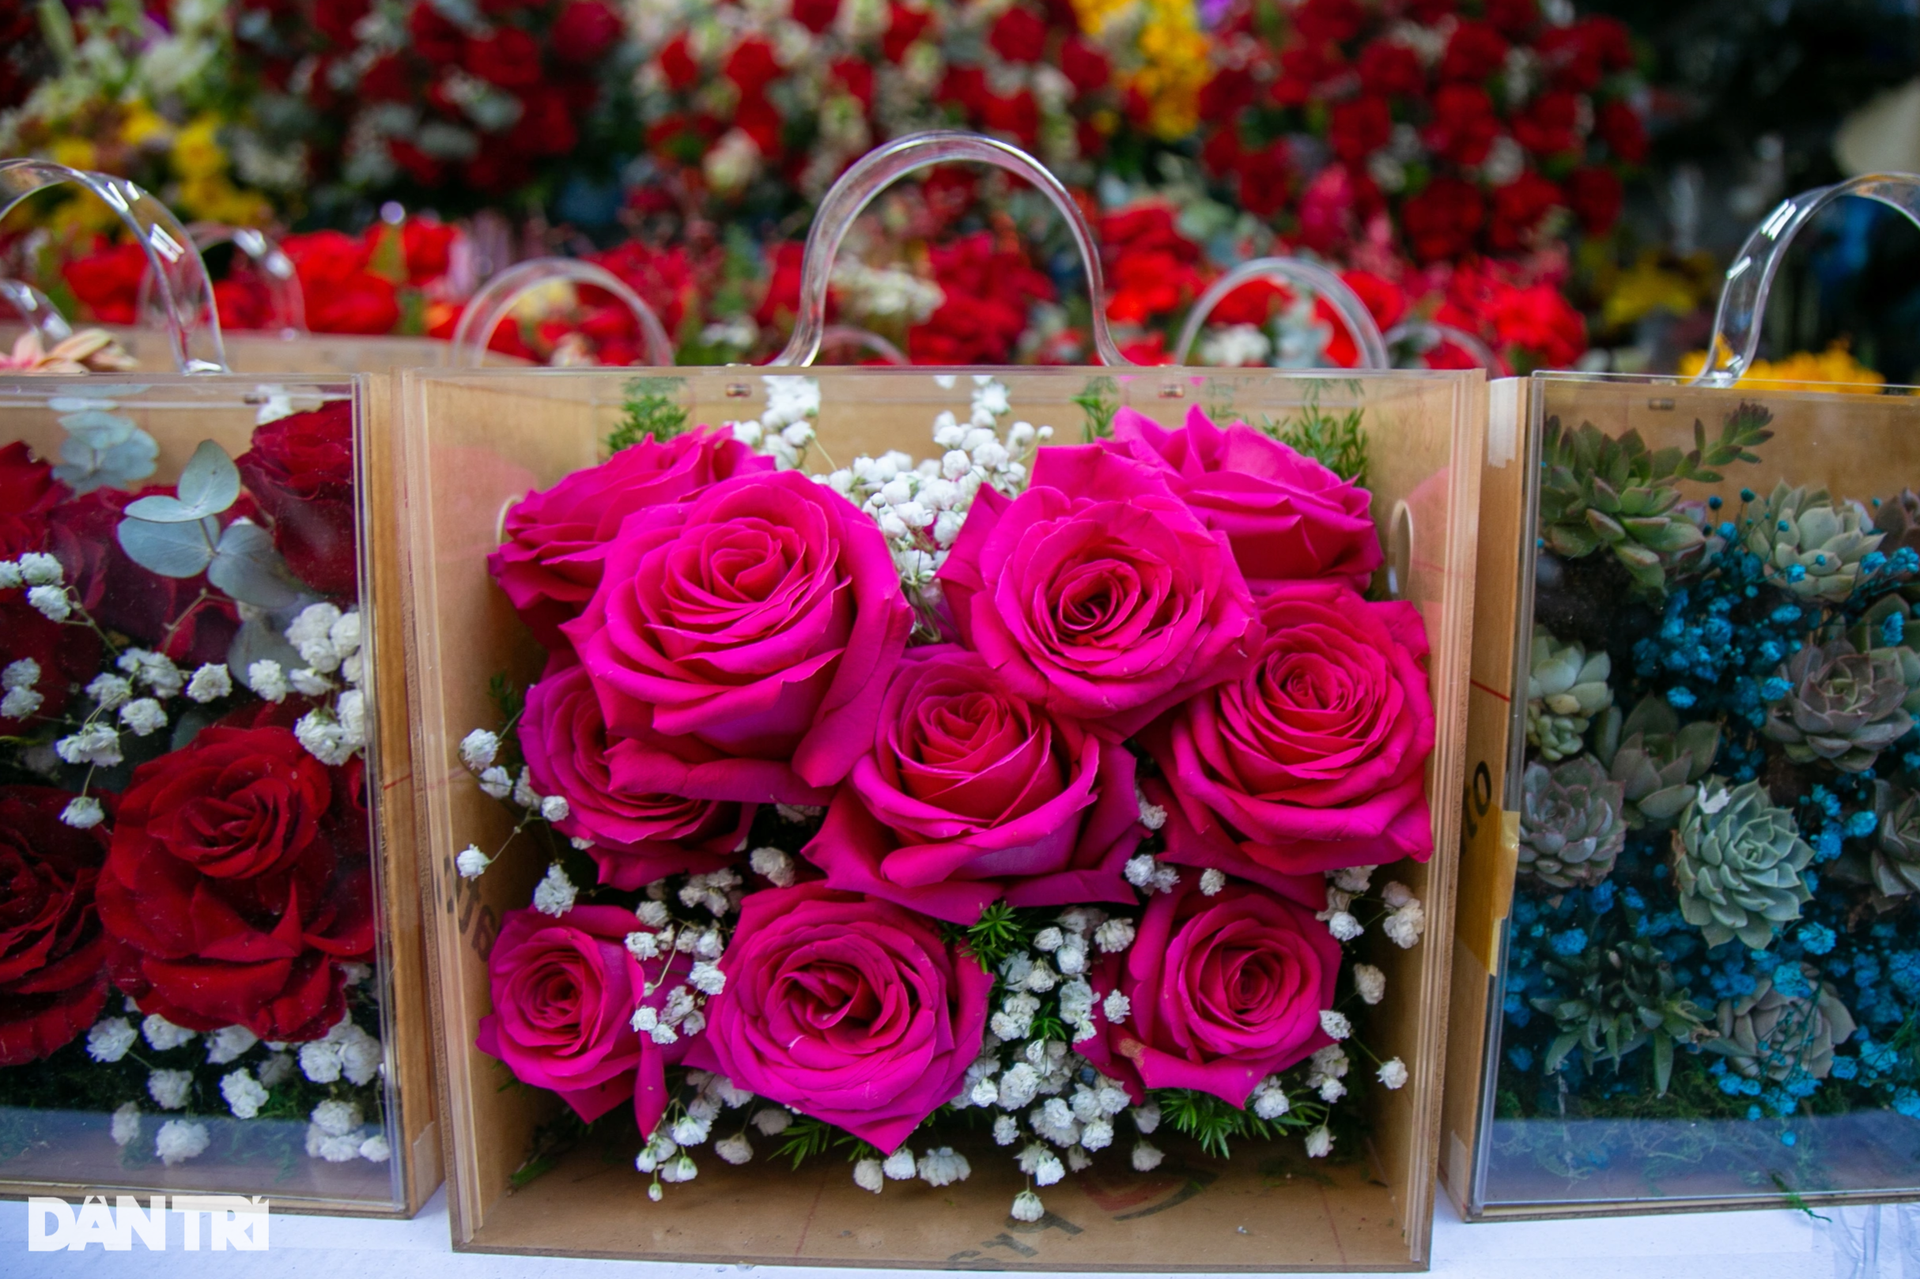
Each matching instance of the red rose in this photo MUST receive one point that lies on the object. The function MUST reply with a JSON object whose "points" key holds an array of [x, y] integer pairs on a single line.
{"points": [[971, 794], [856, 77], [1580, 56], [1464, 125], [637, 837], [904, 26], [434, 38], [1513, 18], [1622, 129], [1285, 516], [1540, 321], [1550, 125], [300, 470], [1441, 222], [584, 30], [1266, 180], [1595, 196], [1319, 21], [1017, 113], [1475, 52], [545, 126], [550, 564], [564, 993], [342, 295], [428, 247], [1386, 301], [1391, 69], [335, 19], [1225, 989], [108, 282], [1230, 91], [677, 64], [1018, 35], [226, 901], [1098, 592], [53, 978], [759, 618], [1359, 127], [508, 57], [1517, 209], [751, 65], [815, 15]]}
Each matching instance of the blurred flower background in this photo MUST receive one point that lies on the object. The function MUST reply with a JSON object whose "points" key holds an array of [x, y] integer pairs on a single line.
{"points": [[1530, 183]]}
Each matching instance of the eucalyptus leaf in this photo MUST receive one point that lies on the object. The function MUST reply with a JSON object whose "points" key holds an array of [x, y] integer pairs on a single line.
{"points": [[210, 482], [171, 550], [103, 449], [257, 640], [247, 567]]}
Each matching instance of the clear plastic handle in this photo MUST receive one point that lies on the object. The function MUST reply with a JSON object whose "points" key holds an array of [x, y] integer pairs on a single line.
{"points": [[1743, 302], [38, 310], [285, 298], [498, 296], [1310, 276], [880, 168], [1430, 335], [835, 336], [185, 294]]}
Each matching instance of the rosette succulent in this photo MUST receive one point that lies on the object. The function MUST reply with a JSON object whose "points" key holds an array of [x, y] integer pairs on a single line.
{"points": [[1625, 997], [1571, 828], [1810, 544], [1840, 705], [1736, 864], [1898, 519], [1895, 859], [1655, 760], [1774, 1033], [1566, 688], [1601, 493]]}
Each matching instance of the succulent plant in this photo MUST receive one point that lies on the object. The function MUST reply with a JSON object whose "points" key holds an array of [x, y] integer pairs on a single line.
{"points": [[1895, 859], [1772, 1034], [1602, 493], [1898, 517], [1883, 629], [1736, 864], [1841, 705], [1658, 761], [1797, 528], [1565, 690], [1571, 828], [1626, 997]]}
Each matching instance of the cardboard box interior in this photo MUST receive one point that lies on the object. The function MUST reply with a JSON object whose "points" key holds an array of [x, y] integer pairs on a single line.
{"points": [[476, 443], [1855, 446], [179, 413]]}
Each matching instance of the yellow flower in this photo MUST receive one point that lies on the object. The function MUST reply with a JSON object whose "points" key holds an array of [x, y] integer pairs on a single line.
{"points": [[196, 150], [1177, 68], [1094, 16], [1835, 365], [215, 199], [75, 153], [142, 124], [1646, 287]]}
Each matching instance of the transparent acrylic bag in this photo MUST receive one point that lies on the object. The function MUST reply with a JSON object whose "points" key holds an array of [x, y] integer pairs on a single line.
{"points": [[477, 442], [1679, 974], [210, 963]]}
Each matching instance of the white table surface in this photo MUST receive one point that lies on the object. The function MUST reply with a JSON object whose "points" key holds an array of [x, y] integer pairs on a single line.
{"points": [[1854, 1243]]}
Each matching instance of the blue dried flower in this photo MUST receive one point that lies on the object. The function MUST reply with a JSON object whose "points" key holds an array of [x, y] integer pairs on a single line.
{"points": [[1571, 942], [1815, 939]]}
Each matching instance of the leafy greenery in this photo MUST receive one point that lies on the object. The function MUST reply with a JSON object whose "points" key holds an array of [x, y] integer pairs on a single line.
{"points": [[1213, 1122], [807, 1137], [1099, 401], [653, 412], [998, 933], [1337, 443]]}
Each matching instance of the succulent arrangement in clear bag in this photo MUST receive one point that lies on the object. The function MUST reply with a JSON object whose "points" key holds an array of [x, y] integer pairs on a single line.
{"points": [[1720, 825]]}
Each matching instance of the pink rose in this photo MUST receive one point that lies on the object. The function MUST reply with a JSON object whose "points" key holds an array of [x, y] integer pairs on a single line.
{"points": [[760, 619], [848, 1009], [971, 794], [1287, 517], [1098, 592], [564, 994], [638, 836], [550, 563], [1315, 757], [1225, 990]]}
